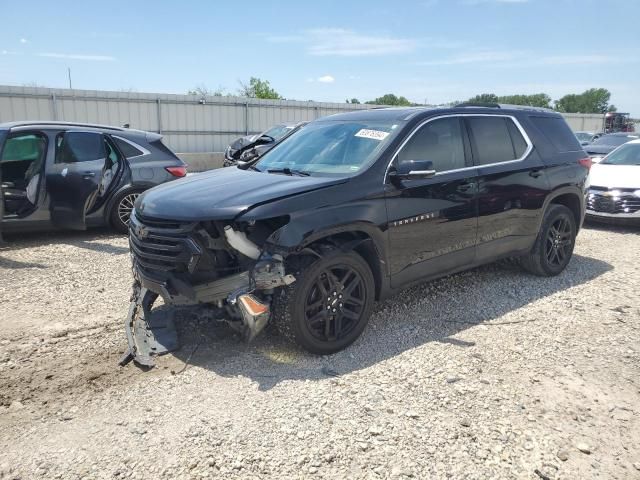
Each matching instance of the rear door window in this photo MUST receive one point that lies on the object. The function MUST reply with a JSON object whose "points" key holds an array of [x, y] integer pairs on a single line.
{"points": [[495, 140], [74, 147]]}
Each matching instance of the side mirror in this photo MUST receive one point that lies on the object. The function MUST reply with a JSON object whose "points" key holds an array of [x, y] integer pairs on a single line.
{"points": [[413, 169]]}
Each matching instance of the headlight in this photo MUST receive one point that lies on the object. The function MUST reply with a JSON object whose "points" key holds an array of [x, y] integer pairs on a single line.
{"points": [[597, 159], [637, 193]]}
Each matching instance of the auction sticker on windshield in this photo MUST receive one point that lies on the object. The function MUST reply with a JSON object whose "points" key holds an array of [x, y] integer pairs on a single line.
{"points": [[373, 134]]}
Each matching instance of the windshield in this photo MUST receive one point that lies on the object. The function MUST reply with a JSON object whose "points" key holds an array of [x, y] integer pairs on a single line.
{"points": [[335, 148], [628, 154], [614, 140], [277, 132], [584, 136]]}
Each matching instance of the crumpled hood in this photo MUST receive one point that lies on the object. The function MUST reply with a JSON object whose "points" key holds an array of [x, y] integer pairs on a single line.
{"points": [[615, 176], [223, 193], [243, 143]]}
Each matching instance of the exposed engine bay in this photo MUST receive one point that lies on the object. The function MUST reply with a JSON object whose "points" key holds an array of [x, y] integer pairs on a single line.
{"points": [[214, 264]]}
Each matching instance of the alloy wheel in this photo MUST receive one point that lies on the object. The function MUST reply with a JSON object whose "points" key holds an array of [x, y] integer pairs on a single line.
{"points": [[335, 303], [558, 244], [125, 207]]}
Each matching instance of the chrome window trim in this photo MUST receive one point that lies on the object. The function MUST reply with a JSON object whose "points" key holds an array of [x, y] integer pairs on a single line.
{"points": [[134, 145], [454, 115]]}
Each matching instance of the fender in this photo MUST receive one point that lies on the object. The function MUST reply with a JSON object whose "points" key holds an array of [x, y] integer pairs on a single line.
{"points": [[569, 189], [139, 186], [301, 232]]}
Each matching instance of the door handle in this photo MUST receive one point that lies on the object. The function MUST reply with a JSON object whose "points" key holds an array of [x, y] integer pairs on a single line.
{"points": [[463, 187], [535, 173], [89, 174]]}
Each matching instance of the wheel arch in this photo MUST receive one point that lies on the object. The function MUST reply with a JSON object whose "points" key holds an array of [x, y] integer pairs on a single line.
{"points": [[129, 188], [573, 199], [358, 241]]}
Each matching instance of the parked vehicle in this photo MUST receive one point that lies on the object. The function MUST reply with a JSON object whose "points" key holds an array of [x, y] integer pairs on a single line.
{"points": [[67, 175], [618, 122], [585, 138], [248, 148], [349, 210], [614, 193], [605, 144]]}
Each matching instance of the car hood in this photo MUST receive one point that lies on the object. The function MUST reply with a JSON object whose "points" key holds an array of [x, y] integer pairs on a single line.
{"points": [[599, 149], [223, 194], [615, 176]]}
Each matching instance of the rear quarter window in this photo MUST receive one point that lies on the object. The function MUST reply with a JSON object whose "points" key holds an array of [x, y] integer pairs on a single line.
{"points": [[127, 149], [557, 132]]}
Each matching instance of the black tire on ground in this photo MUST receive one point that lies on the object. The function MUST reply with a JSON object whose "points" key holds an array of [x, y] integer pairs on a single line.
{"points": [[328, 306], [553, 248], [118, 217]]}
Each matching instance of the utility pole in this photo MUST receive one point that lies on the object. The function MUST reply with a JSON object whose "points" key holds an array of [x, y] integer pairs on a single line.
{"points": [[69, 74]]}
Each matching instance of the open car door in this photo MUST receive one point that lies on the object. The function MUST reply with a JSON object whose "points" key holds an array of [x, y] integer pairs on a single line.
{"points": [[74, 180]]}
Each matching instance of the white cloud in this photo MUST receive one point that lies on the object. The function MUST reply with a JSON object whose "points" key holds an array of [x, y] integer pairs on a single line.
{"points": [[346, 43], [515, 59], [482, 56], [23, 40], [73, 56], [326, 79], [576, 60]]}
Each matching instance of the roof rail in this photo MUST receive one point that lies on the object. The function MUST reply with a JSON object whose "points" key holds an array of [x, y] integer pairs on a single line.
{"points": [[527, 107], [506, 105], [68, 124], [478, 104]]}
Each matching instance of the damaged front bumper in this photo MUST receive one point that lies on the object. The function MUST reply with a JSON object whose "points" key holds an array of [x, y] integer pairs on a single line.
{"points": [[244, 298]]}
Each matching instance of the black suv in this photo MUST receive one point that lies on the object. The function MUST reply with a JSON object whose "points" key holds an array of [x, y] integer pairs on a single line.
{"points": [[74, 175], [349, 210]]}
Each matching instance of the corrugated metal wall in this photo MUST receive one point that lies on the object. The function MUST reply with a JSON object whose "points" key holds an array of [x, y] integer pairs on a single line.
{"points": [[189, 123], [585, 122]]}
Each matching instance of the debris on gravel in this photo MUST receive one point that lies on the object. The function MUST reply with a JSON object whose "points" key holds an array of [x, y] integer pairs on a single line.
{"points": [[491, 373]]}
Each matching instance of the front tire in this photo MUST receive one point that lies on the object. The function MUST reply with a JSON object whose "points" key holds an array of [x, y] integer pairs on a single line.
{"points": [[329, 305], [554, 245], [121, 210]]}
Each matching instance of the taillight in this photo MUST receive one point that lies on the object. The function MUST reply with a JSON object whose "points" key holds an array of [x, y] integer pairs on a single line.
{"points": [[586, 162], [177, 171]]}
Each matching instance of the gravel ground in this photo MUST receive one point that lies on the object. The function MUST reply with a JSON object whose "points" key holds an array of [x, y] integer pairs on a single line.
{"points": [[487, 374]]}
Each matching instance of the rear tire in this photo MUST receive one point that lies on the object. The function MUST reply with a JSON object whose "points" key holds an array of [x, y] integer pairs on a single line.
{"points": [[328, 306], [554, 245], [121, 210]]}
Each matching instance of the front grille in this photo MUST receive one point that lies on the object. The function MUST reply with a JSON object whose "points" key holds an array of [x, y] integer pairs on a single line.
{"points": [[162, 245], [611, 200]]}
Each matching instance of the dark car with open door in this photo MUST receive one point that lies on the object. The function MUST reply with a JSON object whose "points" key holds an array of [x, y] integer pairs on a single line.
{"points": [[74, 176], [250, 147]]}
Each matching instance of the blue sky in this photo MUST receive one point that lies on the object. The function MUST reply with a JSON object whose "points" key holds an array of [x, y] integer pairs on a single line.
{"points": [[433, 50]]}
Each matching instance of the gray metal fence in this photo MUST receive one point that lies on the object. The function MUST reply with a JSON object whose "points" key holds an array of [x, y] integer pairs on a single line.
{"points": [[188, 122]]}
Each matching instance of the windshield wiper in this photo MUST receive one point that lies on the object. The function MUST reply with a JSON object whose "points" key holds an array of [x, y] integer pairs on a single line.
{"points": [[288, 171]]}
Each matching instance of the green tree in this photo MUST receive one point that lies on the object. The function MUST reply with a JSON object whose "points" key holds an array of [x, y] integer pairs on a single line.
{"points": [[353, 100], [258, 88], [203, 91], [390, 99], [535, 100], [594, 100], [484, 98]]}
